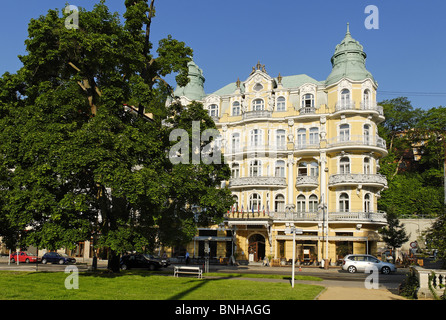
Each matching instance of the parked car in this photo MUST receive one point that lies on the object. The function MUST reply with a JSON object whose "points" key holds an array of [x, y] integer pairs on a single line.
{"points": [[135, 260], [54, 257], [360, 262], [165, 262], [24, 256]]}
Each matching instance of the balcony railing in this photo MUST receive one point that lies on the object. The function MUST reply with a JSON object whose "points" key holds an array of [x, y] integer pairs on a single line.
{"points": [[307, 181], [307, 110], [363, 140], [257, 181], [378, 180], [256, 114], [379, 216], [355, 217], [372, 106], [303, 146], [345, 106]]}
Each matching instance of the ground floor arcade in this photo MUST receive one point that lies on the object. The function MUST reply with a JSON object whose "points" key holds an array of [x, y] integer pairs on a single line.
{"points": [[252, 241]]}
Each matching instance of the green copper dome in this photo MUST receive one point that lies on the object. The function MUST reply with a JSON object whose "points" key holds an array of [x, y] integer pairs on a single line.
{"points": [[348, 61], [194, 90]]}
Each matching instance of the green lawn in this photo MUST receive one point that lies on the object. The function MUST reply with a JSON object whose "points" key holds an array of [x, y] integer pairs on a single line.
{"points": [[147, 286]]}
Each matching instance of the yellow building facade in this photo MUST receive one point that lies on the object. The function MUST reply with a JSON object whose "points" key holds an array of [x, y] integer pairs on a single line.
{"points": [[302, 153]]}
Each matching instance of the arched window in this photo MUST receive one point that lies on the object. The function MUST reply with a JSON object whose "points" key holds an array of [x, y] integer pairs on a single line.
{"points": [[366, 99], [314, 169], [255, 168], [344, 165], [258, 105], [254, 202], [280, 106], [308, 101], [235, 170], [312, 203], [300, 203], [344, 132], [344, 202], [302, 169], [279, 203], [213, 110], [280, 139], [280, 169], [308, 169], [256, 137], [301, 138], [367, 202], [367, 166], [235, 142], [236, 108], [345, 99], [314, 136], [367, 139]]}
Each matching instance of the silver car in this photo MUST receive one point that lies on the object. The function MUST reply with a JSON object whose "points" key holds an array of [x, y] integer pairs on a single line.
{"points": [[362, 262]]}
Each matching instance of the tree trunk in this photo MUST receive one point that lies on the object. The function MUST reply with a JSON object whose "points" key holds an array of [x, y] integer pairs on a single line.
{"points": [[113, 261]]}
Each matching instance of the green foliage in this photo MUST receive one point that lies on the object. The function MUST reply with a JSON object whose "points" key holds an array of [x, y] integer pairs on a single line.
{"points": [[409, 286], [73, 161], [415, 184], [394, 234]]}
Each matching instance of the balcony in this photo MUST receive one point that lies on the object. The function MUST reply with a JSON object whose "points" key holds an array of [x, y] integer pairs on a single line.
{"points": [[359, 141], [363, 106], [258, 114], [307, 110], [351, 179], [307, 146], [372, 107], [267, 182], [341, 106], [307, 181], [378, 217]]}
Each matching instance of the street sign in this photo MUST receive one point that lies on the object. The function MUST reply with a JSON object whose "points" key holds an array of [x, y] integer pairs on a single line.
{"points": [[289, 230]]}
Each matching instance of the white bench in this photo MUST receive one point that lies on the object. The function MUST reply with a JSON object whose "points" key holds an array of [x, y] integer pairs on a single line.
{"points": [[189, 270]]}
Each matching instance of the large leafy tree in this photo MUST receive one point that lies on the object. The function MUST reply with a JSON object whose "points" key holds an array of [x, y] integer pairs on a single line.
{"points": [[415, 184], [75, 162]]}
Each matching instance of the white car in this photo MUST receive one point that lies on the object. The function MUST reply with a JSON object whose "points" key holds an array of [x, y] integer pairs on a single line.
{"points": [[362, 262]]}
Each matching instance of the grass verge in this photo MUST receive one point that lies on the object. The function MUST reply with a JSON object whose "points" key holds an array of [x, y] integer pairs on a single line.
{"points": [[138, 285]]}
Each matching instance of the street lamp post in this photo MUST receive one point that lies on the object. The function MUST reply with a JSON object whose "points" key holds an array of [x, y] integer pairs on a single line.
{"points": [[291, 229]]}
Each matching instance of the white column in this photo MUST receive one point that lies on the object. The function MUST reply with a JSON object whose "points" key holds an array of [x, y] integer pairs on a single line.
{"points": [[290, 201]]}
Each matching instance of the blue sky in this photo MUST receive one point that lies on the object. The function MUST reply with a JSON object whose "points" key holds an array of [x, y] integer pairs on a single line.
{"points": [[406, 55]]}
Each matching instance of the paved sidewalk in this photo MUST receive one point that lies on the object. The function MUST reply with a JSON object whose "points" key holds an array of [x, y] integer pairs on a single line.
{"points": [[349, 293]]}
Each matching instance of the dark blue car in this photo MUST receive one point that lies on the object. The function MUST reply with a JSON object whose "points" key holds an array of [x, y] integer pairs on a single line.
{"points": [[54, 257]]}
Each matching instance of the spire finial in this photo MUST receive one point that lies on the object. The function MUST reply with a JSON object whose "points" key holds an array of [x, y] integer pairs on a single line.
{"points": [[348, 28]]}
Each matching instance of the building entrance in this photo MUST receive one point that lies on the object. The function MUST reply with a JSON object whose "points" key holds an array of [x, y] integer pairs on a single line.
{"points": [[256, 247]]}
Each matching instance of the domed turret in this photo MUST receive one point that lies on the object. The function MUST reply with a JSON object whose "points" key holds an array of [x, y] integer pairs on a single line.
{"points": [[348, 61], [194, 90]]}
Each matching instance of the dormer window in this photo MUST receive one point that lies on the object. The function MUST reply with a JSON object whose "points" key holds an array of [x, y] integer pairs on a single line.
{"points": [[236, 108], [280, 104], [213, 110], [308, 101]]}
